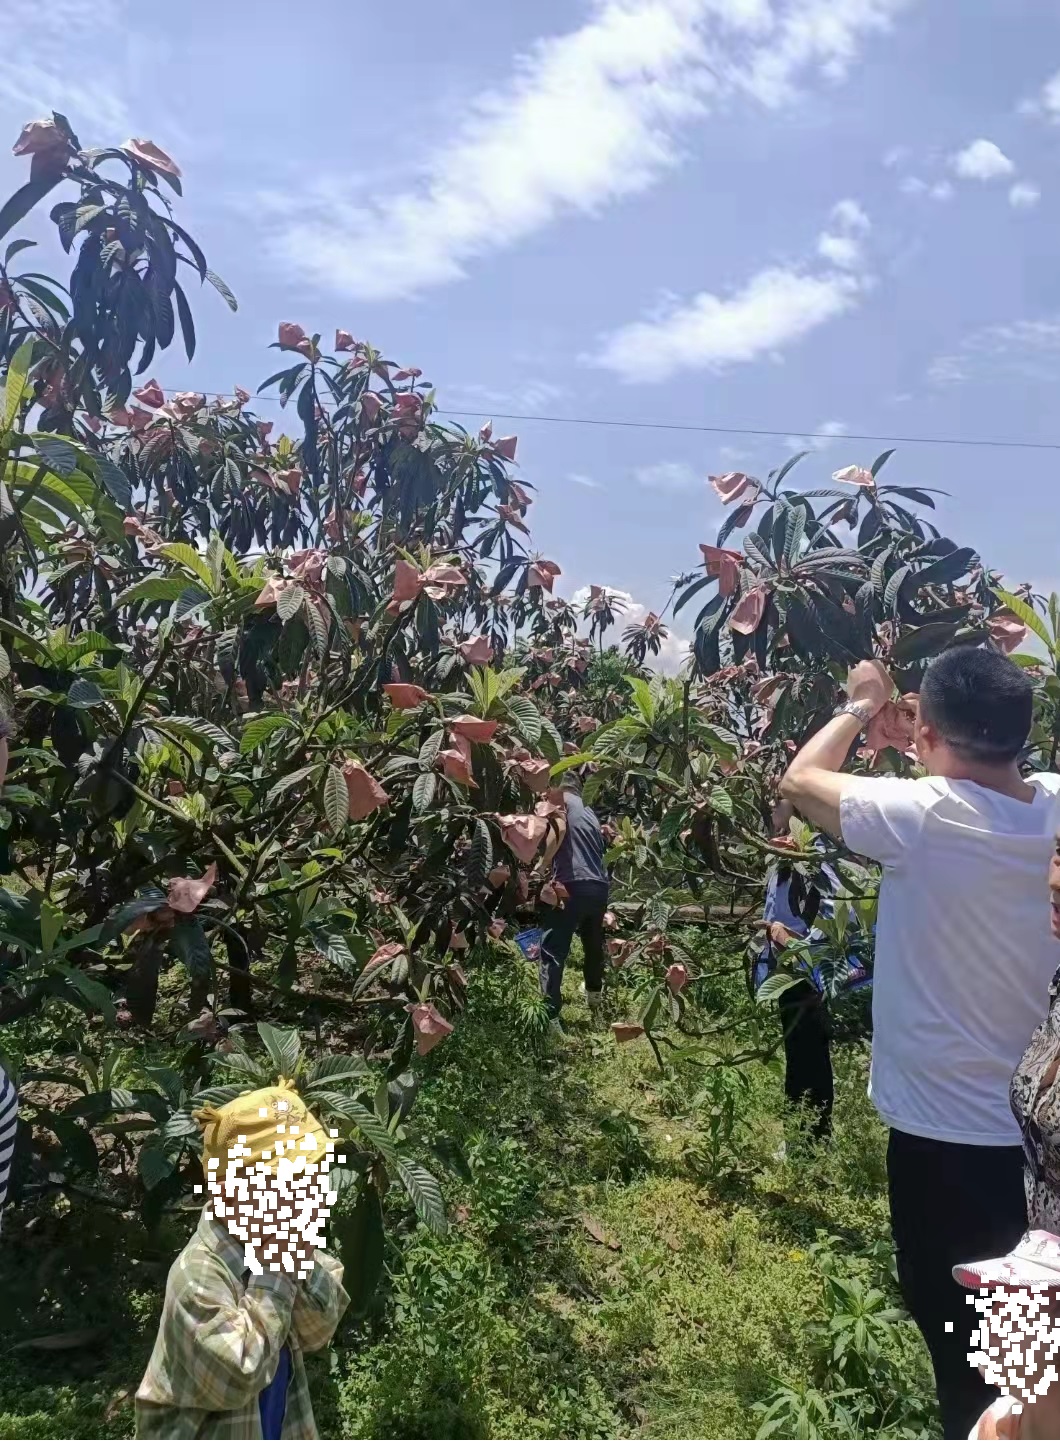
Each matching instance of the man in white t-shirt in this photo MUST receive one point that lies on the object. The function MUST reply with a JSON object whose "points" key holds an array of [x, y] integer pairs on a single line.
{"points": [[964, 957]]}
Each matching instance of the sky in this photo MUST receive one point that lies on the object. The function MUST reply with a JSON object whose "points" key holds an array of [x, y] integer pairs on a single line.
{"points": [[811, 217]]}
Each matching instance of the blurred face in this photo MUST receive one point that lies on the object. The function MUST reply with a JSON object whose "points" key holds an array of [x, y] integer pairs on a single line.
{"points": [[1054, 889]]}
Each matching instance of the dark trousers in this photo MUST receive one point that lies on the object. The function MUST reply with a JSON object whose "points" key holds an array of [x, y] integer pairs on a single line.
{"points": [[807, 1058], [950, 1203], [584, 913]]}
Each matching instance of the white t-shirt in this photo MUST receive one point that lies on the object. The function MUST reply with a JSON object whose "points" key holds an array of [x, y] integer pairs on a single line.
{"points": [[964, 954]]}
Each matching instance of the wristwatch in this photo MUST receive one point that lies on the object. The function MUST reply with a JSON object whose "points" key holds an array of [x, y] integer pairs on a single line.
{"points": [[859, 711]]}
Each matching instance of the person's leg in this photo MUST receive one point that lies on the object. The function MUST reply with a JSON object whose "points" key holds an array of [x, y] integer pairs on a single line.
{"points": [[592, 902], [951, 1203], [808, 1063], [558, 930]]}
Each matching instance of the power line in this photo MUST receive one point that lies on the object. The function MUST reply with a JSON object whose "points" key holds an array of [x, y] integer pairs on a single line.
{"points": [[486, 411]]}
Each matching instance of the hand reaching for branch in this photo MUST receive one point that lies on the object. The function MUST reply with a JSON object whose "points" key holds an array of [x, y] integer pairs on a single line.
{"points": [[870, 684]]}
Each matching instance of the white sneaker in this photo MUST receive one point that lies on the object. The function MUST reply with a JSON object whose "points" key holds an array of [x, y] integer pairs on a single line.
{"points": [[593, 999]]}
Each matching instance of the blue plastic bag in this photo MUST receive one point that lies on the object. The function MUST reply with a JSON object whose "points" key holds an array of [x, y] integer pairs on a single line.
{"points": [[529, 942]]}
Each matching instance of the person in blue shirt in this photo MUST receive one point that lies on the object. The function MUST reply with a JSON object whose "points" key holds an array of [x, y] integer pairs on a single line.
{"points": [[576, 858], [791, 909]]}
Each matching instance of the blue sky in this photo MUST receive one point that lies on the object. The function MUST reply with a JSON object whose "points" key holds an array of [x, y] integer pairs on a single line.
{"points": [[797, 215]]}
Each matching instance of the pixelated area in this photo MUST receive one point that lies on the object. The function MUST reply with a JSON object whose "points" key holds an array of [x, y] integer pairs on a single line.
{"points": [[1016, 1345], [278, 1205]]}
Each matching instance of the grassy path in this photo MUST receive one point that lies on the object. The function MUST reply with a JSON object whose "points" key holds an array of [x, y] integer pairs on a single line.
{"points": [[628, 1258]]}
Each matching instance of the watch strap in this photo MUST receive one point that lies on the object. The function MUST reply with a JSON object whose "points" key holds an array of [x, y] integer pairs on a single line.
{"points": [[855, 710]]}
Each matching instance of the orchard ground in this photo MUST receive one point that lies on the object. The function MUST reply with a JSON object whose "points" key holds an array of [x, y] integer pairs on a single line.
{"points": [[628, 1257]]}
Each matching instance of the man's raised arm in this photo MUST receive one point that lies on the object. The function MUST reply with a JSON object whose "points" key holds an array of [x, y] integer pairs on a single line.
{"points": [[813, 781]]}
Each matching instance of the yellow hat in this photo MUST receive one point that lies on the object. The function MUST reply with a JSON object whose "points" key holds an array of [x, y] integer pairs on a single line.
{"points": [[264, 1118]]}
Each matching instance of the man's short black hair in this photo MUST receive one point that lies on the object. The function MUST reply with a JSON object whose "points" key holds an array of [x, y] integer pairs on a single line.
{"points": [[979, 703]]}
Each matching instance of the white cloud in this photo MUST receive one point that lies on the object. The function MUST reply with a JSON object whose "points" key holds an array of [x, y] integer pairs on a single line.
{"points": [[669, 475], [44, 69], [629, 613], [1047, 101], [587, 482], [843, 252], [914, 186], [530, 397], [777, 307], [851, 217], [1024, 194], [585, 118], [981, 161], [813, 441], [1028, 348], [894, 157]]}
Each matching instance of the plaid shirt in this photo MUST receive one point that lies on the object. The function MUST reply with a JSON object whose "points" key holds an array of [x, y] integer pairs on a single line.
{"points": [[220, 1338]]}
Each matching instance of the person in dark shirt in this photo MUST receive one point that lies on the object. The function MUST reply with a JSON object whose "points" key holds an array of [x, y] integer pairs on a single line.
{"points": [[577, 861]]}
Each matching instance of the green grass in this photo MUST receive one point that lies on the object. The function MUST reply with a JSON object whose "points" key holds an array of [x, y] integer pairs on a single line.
{"points": [[614, 1269]]}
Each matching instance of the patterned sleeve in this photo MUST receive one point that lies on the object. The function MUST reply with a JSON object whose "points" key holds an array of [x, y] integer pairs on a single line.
{"points": [[8, 1131], [1054, 990], [224, 1351], [320, 1303]]}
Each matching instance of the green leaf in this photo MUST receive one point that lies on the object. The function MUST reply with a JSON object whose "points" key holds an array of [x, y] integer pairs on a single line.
{"points": [[197, 730], [339, 1067], [643, 699], [789, 465], [525, 719], [288, 781], [27, 197], [289, 601], [480, 858], [222, 288], [187, 323], [5, 663], [362, 1243], [116, 482], [50, 922], [190, 600], [283, 1046], [259, 729], [336, 799], [775, 985], [17, 247], [58, 454], [423, 791], [15, 388], [550, 743], [924, 642], [878, 464], [430, 749], [189, 945], [1027, 615], [336, 949], [95, 994], [367, 1124], [84, 694], [573, 760], [425, 1193], [318, 628], [156, 1162], [189, 557], [795, 532], [154, 588]]}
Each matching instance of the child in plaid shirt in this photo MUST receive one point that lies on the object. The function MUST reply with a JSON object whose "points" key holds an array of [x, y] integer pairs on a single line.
{"points": [[227, 1362]]}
